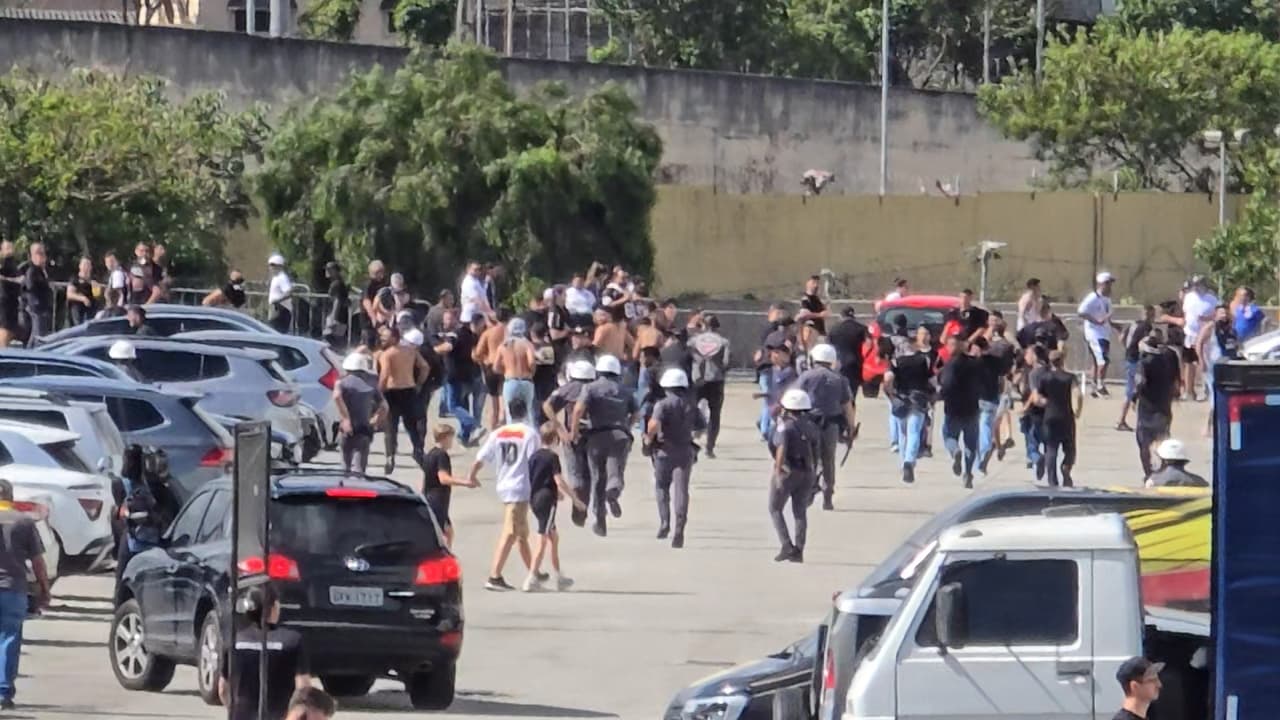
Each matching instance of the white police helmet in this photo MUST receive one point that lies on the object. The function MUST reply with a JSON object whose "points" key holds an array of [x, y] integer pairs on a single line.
{"points": [[797, 400], [122, 350], [674, 378], [581, 370], [608, 364], [823, 353]]}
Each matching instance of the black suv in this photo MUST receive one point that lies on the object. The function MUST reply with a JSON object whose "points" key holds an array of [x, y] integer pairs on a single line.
{"points": [[361, 570]]}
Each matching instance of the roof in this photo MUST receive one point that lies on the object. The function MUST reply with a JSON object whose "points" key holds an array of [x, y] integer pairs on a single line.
{"points": [[107, 386], [311, 480], [220, 336], [96, 16], [38, 434], [942, 302], [43, 356], [165, 343], [1083, 532]]}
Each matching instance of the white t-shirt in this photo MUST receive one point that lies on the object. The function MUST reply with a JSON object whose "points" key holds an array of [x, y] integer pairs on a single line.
{"points": [[281, 290], [1095, 304], [579, 301], [892, 295], [509, 449], [1195, 307], [474, 294], [117, 280]]}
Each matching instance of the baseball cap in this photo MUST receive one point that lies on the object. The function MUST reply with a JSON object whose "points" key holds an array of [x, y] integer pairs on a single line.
{"points": [[276, 259], [1105, 277], [775, 340], [1137, 669]]}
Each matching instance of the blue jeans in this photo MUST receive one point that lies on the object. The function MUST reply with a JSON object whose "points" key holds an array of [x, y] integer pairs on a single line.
{"points": [[517, 388], [988, 414], [952, 429], [478, 394], [1031, 436], [765, 423], [910, 432], [895, 432], [13, 611], [455, 398]]}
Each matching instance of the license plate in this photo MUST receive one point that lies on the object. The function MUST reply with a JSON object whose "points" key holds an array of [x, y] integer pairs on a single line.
{"points": [[355, 596]]}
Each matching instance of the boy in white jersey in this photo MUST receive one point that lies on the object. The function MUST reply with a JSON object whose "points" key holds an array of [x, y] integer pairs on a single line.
{"points": [[510, 447]]}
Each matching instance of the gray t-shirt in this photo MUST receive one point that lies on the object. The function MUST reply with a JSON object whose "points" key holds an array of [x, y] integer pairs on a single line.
{"points": [[361, 396], [828, 389], [609, 404], [563, 399], [678, 419], [19, 543]]}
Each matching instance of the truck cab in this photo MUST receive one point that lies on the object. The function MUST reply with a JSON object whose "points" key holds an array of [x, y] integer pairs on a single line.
{"points": [[1024, 617]]}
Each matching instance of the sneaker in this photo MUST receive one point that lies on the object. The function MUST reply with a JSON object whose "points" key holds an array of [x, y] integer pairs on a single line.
{"points": [[615, 507], [926, 451], [982, 464], [663, 532], [968, 481], [797, 556], [1123, 426], [477, 436], [599, 529], [677, 540], [1093, 393], [1040, 469], [419, 458], [1000, 449], [563, 583], [908, 473], [389, 468], [7, 704], [578, 517], [1030, 464], [784, 554], [711, 454], [543, 577], [1103, 391], [956, 461], [893, 448], [1066, 478], [497, 584], [532, 584], [827, 504]]}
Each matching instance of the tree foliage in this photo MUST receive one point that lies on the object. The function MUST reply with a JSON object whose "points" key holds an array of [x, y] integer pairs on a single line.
{"points": [[1245, 252], [1260, 16], [441, 162], [93, 162], [330, 20], [425, 22]]}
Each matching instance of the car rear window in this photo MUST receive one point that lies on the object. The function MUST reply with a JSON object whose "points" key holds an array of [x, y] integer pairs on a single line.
{"points": [[214, 426], [929, 317], [320, 525], [64, 453], [275, 371], [48, 418]]}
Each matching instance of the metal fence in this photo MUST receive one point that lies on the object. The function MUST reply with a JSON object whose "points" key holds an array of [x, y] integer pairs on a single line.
{"points": [[544, 29]]}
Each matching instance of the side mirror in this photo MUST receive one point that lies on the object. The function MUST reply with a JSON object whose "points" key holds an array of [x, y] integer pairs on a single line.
{"points": [[951, 618]]}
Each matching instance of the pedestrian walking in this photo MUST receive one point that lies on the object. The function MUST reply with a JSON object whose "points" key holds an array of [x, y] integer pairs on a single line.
{"points": [[973, 319], [709, 351], [37, 294], [1217, 343], [279, 296], [1029, 305], [832, 400], [559, 407], [907, 383], [611, 410], [311, 703], [959, 386], [1198, 305], [1004, 356], [779, 377], [82, 303], [361, 409], [515, 362], [1095, 313], [117, 283], [374, 314], [1134, 335], [812, 306], [438, 479], [1140, 680], [1173, 470], [337, 322], [454, 344], [668, 437], [1035, 363], [21, 545], [401, 374], [1059, 393], [288, 667], [546, 488], [486, 354], [849, 337], [509, 449], [1156, 384], [545, 368], [796, 447]]}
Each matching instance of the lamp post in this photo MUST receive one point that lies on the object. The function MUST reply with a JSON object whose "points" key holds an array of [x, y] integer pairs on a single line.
{"points": [[884, 97], [1039, 38]]}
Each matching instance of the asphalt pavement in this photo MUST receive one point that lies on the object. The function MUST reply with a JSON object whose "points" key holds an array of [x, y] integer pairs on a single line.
{"points": [[643, 619]]}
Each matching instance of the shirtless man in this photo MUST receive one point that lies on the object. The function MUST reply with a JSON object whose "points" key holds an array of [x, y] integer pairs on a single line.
{"points": [[612, 336], [485, 354], [515, 362], [401, 374]]}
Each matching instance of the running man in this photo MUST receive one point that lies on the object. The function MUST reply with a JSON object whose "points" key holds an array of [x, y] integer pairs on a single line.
{"points": [[514, 362], [797, 444], [1095, 312], [669, 437], [611, 411], [546, 487]]}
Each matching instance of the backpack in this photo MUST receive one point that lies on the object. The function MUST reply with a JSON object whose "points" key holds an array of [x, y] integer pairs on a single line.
{"points": [[706, 350]]}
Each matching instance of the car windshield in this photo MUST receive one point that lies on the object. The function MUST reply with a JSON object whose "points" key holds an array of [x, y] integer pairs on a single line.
{"points": [[64, 453], [389, 529], [932, 318]]}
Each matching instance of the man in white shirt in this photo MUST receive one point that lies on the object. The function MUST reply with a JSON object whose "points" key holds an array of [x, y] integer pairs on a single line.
{"points": [[279, 295], [474, 293], [579, 301], [117, 280], [1029, 304], [1095, 313], [510, 447], [1198, 305], [899, 290]]}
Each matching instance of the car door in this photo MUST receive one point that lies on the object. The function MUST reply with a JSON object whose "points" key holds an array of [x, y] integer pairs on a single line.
{"points": [[196, 564], [182, 534], [1028, 654]]}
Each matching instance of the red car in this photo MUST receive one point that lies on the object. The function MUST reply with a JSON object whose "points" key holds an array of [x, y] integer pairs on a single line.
{"points": [[927, 310]]}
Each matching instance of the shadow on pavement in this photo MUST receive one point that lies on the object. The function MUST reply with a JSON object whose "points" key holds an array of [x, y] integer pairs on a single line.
{"points": [[82, 711], [397, 701]]}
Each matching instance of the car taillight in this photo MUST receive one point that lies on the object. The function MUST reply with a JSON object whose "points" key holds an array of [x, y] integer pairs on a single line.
{"points": [[330, 378], [276, 566], [282, 398], [34, 509], [216, 457], [91, 507], [346, 492], [438, 571]]}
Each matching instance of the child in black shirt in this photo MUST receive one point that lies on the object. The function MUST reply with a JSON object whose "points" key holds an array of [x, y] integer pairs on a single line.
{"points": [[546, 486], [438, 479]]}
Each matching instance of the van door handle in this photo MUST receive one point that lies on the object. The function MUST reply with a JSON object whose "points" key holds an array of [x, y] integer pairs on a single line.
{"points": [[1075, 671]]}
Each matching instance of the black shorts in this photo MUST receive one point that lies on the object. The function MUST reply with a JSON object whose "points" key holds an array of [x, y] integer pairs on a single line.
{"points": [[493, 382], [1189, 355], [438, 501], [543, 504]]}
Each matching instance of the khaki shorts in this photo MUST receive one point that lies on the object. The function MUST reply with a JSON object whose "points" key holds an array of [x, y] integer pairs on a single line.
{"points": [[515, 519]]}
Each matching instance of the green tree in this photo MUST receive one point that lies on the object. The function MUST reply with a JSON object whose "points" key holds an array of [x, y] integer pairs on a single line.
{"points": [[334, 20], [1139, 103], [1245, 252], [93, 162], [441, 162], [425, 22], [744, 36], [1258, 16]]}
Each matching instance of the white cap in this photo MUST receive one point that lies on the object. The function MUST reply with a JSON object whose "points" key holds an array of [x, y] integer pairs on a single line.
{"points": [[1172, 449], [414, 337], [357, 362], [517, 328], [823, 353], [549, 294], [581, 370], [608, 364], [796, 399], [122, 350], [276, 259], [674, 378], [1105, 277]]}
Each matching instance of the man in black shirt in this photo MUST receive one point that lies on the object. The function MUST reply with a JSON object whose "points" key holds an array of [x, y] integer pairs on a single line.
{"points": [[1035, 360], [907, 385], [37, 294], [287, 665], [1049, 331], [454, 344], [337, 322], [374, 314], [960, 380], [972, 317], [812, 307], [990, 386], [10, 287], [1140, 680], [1133, 337], [1156, 384], [1058, 393], [137, 318], [848, 336]]}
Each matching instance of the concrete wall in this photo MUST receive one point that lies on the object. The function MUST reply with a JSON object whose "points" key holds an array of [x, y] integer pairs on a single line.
{"points": [[734, 133]]}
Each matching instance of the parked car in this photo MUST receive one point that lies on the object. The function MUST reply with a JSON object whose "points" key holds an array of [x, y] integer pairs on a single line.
{"points": [[198, 448], [310, 363], [35, 504], [164, 320], [239, 382], [15, 363], [79, 509], [362, 572], [775, 686], [927, 310], [1262, 347], [99, 438]]}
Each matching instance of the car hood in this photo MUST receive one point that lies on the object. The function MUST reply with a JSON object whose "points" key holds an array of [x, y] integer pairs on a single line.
{"points": [[741, 678]]}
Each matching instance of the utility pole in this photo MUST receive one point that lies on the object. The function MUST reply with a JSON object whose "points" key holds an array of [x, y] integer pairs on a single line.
{"points": [[986, 43], [511, 27], [1039, 38], [884, 97]]}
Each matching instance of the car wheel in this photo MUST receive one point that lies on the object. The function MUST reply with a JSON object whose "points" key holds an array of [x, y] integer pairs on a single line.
{"points": [[347, 685], [432, 690], [134, 667], [210, 658]]}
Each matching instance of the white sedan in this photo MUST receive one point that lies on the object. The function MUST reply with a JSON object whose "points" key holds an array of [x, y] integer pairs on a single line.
{"points": [[80, 510], [35, 505]]}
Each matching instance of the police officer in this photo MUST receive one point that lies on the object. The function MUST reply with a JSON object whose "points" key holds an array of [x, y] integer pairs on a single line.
{"points": [[1174, 473], [124, 355], [669, 436], [611, 409], [559, 407], [796, 443], [832, 400]]}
